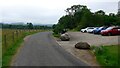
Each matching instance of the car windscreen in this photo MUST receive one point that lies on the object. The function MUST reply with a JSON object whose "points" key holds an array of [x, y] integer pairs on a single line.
{"points": [[109, 28], [91, 28], [100, 28]]}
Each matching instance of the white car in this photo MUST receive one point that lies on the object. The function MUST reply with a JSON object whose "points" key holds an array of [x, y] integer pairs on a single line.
{"points": [[86, 29], [90, 30]]}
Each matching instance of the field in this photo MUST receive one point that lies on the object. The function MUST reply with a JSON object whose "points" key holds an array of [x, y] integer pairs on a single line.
{"points": [[11, 40]]}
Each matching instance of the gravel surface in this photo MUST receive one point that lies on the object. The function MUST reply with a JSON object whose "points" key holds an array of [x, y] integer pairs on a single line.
{"points": [[85, 55], [41, 50], [92, 39]]}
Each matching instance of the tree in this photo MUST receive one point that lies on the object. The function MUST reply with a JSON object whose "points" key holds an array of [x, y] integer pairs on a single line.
{"points": [[79, 16], [54, 26], [100, 12], [111, 14], [30, 25]]}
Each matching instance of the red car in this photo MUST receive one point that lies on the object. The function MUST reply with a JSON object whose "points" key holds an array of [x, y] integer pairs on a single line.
{"points": [[111, 31]]}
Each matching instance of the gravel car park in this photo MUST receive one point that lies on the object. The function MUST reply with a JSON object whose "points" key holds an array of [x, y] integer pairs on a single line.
{"points": [[93, 39]]}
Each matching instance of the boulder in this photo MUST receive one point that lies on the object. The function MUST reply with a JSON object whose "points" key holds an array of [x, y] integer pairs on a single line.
{"points": [[65, 37], [82, 45]]}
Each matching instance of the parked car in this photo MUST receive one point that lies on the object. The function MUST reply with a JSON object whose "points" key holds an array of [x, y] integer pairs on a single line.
{"points": [[92, 29], [111, 31], [86, 29], [97, 31]]}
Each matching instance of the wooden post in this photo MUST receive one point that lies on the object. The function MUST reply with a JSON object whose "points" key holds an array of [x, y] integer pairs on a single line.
{"points": [[17, 33], [5, 41], [13, 36]]}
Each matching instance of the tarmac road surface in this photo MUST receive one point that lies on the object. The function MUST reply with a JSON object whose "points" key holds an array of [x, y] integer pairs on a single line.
{"points": [[42, 50]]}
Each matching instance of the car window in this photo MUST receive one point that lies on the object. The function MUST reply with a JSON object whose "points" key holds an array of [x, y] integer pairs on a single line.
{"points": [[119, 29], [115, 28], [100, 28], [109, 28], [104, 28], [91, 28]]}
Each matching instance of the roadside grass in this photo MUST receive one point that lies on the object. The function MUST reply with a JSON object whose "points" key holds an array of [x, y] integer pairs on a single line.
{"points": [[9, 50], [56, 35], [106, 55]]}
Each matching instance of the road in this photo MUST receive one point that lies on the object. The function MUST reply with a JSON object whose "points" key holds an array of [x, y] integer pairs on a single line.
{"points": [[42, 50]]}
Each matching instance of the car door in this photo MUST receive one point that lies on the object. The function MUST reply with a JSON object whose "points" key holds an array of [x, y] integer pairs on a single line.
{"points": [[116, 31]]}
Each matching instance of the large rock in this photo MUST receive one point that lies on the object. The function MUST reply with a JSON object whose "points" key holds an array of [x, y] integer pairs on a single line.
{"points": [[65, 37], [82, 45]]}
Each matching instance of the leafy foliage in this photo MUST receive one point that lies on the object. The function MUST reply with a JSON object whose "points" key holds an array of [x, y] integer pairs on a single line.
{"points": [[79, 16]]}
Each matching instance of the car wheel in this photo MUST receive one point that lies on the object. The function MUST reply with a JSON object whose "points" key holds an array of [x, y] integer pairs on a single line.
{"points": [[109, 34], [85, 31]]}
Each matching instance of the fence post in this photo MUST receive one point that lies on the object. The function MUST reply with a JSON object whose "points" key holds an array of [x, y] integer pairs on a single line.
{"points": [[13, 36], [17, 34], [5, 41]]}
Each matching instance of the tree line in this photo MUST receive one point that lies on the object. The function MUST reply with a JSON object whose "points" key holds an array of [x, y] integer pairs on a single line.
{"points": [[79, 16], [24, 26]]}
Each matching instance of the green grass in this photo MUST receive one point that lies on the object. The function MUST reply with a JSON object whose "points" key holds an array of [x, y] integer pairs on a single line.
{"points": [[107, 55], [56, 35], [10, 51]]}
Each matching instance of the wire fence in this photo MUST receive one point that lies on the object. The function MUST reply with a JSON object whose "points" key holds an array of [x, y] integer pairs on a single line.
{"points": [[11, 36]]}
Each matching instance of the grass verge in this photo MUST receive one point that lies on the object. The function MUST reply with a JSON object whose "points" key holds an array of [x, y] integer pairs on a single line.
{"points": [[56, 35], [106, 55], [11, 51]]}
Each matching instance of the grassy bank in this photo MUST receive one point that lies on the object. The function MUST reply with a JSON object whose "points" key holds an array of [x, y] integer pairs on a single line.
{"points": [[12, 43], [106, 55]]}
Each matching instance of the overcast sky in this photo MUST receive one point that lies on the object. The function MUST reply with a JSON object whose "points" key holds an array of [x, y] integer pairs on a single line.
{"points": [[47, 11]]}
